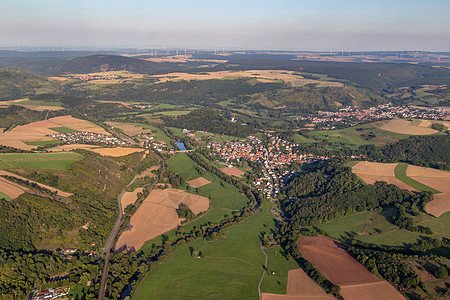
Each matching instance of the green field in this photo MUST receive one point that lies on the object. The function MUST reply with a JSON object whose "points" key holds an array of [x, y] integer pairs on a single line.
{"points": [[63, 129], [39, 103], [3, 196], [275, 279], [352, 136], [40, 161], [44, 143], [440, 225], [173, 112], [224, 199], [3, 165], [400, 174], [230, 269], [177, 131], [393, 238], [342, 226]]}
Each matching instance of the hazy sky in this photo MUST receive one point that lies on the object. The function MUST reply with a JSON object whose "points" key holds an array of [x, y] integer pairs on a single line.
{"points": [[247, 24]]}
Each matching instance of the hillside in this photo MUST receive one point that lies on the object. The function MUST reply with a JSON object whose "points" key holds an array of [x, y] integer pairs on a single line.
{"points": [[102, 63], [15, 84]]}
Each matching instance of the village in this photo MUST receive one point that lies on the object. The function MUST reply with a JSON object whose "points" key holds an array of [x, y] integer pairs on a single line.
{"points": [[350, 116], [84, 137], [275, 155]]}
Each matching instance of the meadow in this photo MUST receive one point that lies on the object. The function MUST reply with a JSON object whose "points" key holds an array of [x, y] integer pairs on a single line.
{"points": [[39, 161], [230, 267], [400, 173]]}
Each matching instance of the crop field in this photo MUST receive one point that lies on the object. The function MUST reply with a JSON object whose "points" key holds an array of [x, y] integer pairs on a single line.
{"points": [[371, 172], [334, 262], [129, 128], [40, 161], [299, 285], [58, 192], [10, 189], [157, 215], [198, 182], [34, 132], [407, 127], [232, 171], [116, 152], [77, 124], [294, 78], [437, 180], [230, 268], [371, 291], [342, 269], [129, 198], [70, 147], [62, 129], [225, 198]]}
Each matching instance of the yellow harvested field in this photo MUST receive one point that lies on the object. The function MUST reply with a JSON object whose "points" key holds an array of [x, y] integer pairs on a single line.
{"points": [[267, 296], [198, 182], [416, 171], [149, 221], [78, 124], [373, 168], [42, 107], [73, 147], [371, 172], [57, 78], [129, 129], [371, 291], [10, 189], [404, 127], [38, 131], [116, 152], [9, 102], [291, 77], [58, 192], [129, 198], [157, 215], [437, 179]]}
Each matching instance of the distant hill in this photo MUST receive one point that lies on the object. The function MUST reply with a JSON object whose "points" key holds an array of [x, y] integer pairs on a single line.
{"points": [[102, 63], [16, 84]]}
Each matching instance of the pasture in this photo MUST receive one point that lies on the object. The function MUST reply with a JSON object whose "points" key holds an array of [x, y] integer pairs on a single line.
{"points": [[40, 161], [231, 267]]}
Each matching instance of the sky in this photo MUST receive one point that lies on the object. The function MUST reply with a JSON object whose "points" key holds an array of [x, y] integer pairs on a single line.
{"points": [[231, 24]]}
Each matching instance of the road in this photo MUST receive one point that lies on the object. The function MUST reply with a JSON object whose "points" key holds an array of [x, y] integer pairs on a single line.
{"points": [[264, 271], [115, 231]]}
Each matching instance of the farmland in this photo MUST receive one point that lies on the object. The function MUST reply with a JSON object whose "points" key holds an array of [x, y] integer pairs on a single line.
{"points": [[116, 152], [417, 127], [40, 161], [229, 267]]}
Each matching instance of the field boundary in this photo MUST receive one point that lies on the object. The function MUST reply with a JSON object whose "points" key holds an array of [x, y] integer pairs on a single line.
{"points": [[400, 174]]}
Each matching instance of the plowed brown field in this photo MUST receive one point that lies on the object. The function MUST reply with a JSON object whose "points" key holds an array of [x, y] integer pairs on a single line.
{"points": [[232, 171], [371, 291], [333, 261]]}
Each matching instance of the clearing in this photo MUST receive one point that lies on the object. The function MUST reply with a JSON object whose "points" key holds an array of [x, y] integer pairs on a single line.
{"points": [[39, 161], [415, 127], [157, 215]]}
